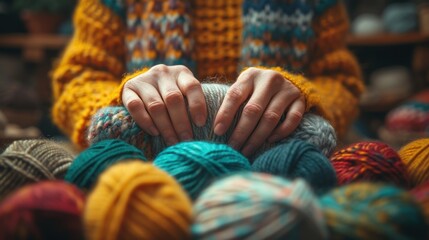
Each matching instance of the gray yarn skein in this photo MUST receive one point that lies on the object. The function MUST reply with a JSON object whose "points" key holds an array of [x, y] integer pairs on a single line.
{"points": [[313, 128]]}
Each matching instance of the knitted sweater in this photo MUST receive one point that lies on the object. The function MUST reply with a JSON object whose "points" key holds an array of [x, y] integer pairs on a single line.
{"points": [[115, 40]]}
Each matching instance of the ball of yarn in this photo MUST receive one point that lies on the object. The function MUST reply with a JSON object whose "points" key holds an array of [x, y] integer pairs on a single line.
{"points": [[369, 161], [136, 200], [415, 156], [258, 206], [373, 211], [43, 210], [91, 162], [29, 161], [421, 194], [116, 122], [298, 159], [196, 164]]}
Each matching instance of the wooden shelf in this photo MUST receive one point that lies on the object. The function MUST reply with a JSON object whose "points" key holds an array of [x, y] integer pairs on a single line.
{"points": [[387, 39]]}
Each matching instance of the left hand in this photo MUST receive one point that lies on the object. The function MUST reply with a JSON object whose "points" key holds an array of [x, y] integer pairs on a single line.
{"points": [[270, 96]]}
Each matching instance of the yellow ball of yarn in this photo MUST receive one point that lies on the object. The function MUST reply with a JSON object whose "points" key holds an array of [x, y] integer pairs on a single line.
{"points": [[415, 156], [136, 200]]}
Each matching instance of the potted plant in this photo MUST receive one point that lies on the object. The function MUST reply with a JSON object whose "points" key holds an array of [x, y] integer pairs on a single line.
{"points": [[43, 16]]}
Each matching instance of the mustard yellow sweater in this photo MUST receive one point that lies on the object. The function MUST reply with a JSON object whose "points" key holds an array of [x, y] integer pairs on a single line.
{"points": [[115, 40]]}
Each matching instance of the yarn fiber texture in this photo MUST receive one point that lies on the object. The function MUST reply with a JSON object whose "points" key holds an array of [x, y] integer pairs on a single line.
{"points": [[298, 159], [421, 194], [196, 164], [43, 210], [258, 206], [373, 211], [91, 162], [29, 161], [136, 200], [415, 156], [369, 161], [116, 122]]}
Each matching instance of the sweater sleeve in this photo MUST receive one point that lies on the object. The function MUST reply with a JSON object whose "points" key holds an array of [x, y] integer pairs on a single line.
{"points": [[89, 74], [332, 83]]}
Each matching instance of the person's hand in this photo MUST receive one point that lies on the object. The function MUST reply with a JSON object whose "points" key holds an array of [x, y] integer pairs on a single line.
{"points": [[156, 101], [270, 96]]}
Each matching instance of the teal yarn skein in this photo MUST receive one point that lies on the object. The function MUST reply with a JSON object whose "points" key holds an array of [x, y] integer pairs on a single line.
{"points": [[367, 210], [258, 206], [91, 162], [117, 123], [196, 164], [298, 159]]}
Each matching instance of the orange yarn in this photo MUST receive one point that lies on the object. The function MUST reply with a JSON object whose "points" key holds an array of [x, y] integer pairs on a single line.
{"points": [[415, 156], [136, 200]]}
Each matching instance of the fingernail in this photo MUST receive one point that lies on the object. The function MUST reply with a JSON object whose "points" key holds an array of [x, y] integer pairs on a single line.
{"points": [[154, 131], [185, 136], [199, 120], [219, 129], [171, 141]]}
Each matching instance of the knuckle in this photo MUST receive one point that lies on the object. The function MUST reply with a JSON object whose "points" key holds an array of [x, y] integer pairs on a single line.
{"points": [[134, 105], [182, 68], [172, 97], [295, 116], [192, 85], [235, 94], [271, 117], [155, 106], [160, 68], [252, 109]]}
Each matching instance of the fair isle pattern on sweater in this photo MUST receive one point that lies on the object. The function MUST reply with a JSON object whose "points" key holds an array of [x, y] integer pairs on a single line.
{"points": [[277, 33], [158, 31]]}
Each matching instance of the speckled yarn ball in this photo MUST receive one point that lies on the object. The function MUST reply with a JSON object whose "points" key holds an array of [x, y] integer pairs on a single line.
{"points": [[258, 206], [91, 162], [369, 161], [373, 211], [298, 159], [415, 156], [29, 161], [136, 200], [196, 164], [421, 194], [43, 210]]}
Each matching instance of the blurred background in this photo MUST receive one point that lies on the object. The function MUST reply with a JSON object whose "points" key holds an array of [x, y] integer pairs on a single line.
{"points": [[389, 38]]}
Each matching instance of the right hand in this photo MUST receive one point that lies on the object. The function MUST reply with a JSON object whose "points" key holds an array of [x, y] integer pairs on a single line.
{"points": [[156, 101]]}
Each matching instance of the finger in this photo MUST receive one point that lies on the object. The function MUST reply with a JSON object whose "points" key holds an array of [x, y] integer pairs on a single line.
{"points": [[158, 112], [236, 95], [136, 108], [293, 118], [250, 116], [193, 92], [267, 123], [176, 108]]}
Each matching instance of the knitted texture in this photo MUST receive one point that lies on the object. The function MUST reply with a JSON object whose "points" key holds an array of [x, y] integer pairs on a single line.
{"points": [[369, 161], [258, 206], [90, 163], [196, 164], [298, 159], [415, 157], [111, 35], [421, 194], [44, 210], [373, 211], [135, 200], [117, 123], [29, 161]]}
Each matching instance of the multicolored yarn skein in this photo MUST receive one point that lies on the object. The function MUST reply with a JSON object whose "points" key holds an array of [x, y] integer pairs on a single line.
{"points": [[415, 156], [136, 200], [29, 161], [258, 206], [43, 210], [421, 194], [116, 122], [298, 159], [369, 161], [91, 162], [373, 211], [196, 164]]}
